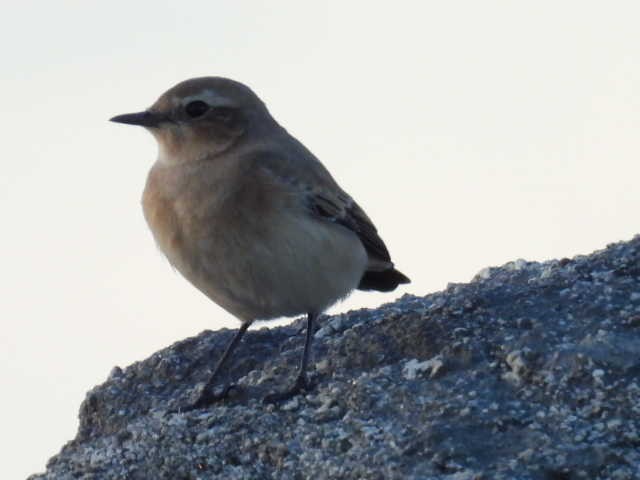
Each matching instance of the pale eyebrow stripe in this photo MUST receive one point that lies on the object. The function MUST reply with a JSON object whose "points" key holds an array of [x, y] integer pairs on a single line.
{"points": [[210, 97]]}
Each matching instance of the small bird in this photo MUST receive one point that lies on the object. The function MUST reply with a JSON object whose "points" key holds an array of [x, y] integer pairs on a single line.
{"points": [[251, 217]]}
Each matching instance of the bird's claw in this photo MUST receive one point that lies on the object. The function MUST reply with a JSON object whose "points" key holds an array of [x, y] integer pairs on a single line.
{"points": [[301, 385], [208, 397]]}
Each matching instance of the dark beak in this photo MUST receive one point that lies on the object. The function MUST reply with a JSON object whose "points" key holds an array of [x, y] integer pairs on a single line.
{"points": [[144, 119]]}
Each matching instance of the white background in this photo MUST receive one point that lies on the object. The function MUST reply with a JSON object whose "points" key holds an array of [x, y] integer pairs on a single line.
{"points": [[473, 133]]}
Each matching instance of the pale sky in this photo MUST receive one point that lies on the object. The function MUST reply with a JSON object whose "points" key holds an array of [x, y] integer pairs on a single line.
{"points": [[472, 133]]}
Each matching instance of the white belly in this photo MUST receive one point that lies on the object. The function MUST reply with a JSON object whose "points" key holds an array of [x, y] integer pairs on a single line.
{"points": [[299, 266], [295, 266]]}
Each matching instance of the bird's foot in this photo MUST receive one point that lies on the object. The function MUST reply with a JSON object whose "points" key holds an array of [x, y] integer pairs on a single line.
{"points": [[301, 385], [209, 396]]}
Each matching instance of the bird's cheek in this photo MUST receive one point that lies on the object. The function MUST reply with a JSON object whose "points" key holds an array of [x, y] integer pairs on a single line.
{"points": [[227, 130], [169, 141]]}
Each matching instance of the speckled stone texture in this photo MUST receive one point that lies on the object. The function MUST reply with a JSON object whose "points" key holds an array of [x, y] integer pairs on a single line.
{"points": [[530, 371]]}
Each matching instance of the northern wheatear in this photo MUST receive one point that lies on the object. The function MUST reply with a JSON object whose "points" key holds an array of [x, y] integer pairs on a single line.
{"points": [[250, 216]]}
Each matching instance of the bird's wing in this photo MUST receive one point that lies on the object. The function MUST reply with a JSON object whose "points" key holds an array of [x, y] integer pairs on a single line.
{"points": [[340, 208], [308, 180]]}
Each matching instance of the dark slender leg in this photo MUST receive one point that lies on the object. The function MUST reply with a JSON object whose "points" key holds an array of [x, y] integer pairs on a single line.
{"points": [[207, 396], [301, 383], [302, 371]]}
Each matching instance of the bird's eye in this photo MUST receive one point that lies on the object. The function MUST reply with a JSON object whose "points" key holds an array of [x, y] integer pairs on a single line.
{"points": [[197, 108]]}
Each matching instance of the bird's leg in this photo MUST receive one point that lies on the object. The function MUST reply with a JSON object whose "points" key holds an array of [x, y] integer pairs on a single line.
{"points": [[207, 396], [302, 382]]}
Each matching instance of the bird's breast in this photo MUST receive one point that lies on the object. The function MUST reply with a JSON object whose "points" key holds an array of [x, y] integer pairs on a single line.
{"points": [[250, 249], [179, 208]]}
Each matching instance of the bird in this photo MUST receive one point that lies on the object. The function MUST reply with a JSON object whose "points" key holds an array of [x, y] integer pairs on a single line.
{"points": [[250, 217]]}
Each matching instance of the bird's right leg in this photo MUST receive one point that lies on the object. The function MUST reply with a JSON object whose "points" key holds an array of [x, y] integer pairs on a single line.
{"points": [[302, 381], [207, 396]]}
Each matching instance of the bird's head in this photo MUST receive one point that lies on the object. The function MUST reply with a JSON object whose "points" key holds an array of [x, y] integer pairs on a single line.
{"points": [[201, 118]]}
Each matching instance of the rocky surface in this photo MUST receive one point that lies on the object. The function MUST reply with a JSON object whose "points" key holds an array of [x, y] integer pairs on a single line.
{"points": [[530, 371]]}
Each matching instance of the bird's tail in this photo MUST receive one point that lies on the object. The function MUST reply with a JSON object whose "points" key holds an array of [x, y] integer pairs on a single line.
{"points": [[383, 281]]}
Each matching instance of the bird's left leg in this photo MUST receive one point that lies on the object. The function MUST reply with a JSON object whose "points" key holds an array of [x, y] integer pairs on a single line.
{"points": [[207, 396]]}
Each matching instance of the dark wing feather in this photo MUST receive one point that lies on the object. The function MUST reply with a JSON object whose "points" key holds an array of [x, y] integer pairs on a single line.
{"points": [[341, 209], [328, 202]]}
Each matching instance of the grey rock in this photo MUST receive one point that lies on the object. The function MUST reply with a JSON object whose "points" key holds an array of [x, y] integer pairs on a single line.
{"points": [[530, 371]]}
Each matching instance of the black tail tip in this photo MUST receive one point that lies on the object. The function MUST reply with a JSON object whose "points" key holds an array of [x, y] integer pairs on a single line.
{"points": [[385, 281]]}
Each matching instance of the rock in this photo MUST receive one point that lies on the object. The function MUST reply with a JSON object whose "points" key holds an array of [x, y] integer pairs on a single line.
{"points": [[530, 371]]}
